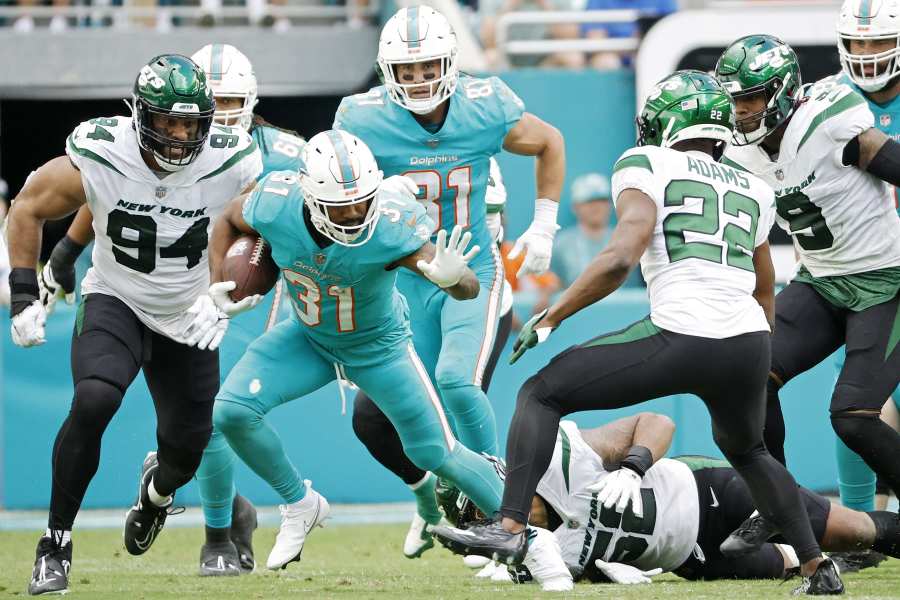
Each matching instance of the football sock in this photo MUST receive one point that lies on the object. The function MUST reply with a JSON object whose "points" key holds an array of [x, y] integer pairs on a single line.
{"points": [[475, 476], [426, 502], [260, 447], [215, 480], [217, 535], [856, 481], [157, 498], [62, 536], [887, 532]]}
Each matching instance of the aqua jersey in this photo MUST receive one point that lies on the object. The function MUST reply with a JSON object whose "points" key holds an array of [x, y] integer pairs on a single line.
{"points": [[344, 295], [451, 165], [280, 149], [887, 119]]}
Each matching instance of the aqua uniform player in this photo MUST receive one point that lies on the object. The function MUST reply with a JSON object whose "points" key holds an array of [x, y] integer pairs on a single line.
{"points": [[699, 229], [440, 128], [337, 233], [231, 77], [868, 33]]}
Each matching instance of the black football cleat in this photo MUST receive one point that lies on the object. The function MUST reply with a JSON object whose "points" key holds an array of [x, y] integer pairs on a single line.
{"points": [[851, 562], [219, 560], [749, 537], [243, 524], [145, 520], [826, 581], [51, 568], [485, 538]]}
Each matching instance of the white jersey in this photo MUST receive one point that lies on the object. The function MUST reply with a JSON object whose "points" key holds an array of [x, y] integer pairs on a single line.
{"points": [[709, 220], [151, 233], [664, 537], [842, 219]]}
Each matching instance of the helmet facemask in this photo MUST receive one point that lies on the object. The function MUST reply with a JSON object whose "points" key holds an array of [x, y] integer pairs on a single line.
{"points": [[171, 154], [884, 65], [442, 87], [235, 117], [355, 234]]}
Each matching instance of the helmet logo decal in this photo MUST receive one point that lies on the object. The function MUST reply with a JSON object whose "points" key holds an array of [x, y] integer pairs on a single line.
{"points": [[185, 107], [148, 76], [774, 57], [865, 12], [215, 61]]}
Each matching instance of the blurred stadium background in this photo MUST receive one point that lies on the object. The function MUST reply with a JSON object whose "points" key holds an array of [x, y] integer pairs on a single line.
{"points": [[582, 65]]}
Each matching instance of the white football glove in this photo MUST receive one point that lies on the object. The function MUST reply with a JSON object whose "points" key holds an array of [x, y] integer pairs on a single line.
{"points": [[28, 326], [219, 293], [49, 288], [207, 326], [450, 258], [537, 241], [619, 488], [625, 574], [401, 185]]}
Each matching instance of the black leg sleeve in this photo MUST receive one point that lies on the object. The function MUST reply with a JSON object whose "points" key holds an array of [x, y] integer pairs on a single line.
{"points": [[887, 532], [381, 439], [874, 440], [774, 428]]}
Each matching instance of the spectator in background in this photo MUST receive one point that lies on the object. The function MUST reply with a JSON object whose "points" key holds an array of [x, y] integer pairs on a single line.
{"points": [[575, 247], [651, 11], [25, 24], [491, 10]]}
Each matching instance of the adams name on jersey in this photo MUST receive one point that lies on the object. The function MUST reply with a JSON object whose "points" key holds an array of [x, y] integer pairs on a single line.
{"points": [[709, 220], [664, 537], [151, 233], [842, 219]]}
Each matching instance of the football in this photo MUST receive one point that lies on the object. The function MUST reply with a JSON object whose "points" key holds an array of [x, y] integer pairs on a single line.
{"points": [[248, 263]]}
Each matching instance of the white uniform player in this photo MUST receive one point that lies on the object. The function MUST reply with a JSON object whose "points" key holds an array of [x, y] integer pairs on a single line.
{"points": [[708, 211], [151, 233], [841, 219], [663, 538]]}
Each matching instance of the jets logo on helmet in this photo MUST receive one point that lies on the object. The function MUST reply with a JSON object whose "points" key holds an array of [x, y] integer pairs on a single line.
{"points": [[764, 66], [339, 171], [418, 34], [230, 75], [172, 89], [869, 42], [686, 105]]}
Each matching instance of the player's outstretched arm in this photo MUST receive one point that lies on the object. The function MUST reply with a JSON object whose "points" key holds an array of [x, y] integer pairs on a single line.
{"points": [[52, 192], [876, 153], [445, 264], [636, 213], [765, 282], [533, 137]]}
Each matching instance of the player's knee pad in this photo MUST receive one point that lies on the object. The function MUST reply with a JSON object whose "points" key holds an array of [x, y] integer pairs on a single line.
{"points": [[95, 403], [427, 456], [232, 416], [854, 428]]}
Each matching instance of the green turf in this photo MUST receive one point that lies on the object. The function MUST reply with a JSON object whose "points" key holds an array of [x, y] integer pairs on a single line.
{"points": [[356, 562]]}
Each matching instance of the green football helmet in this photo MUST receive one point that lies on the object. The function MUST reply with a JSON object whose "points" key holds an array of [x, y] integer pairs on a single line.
{"points": [[761, 64], [173, 110], [456, 506], [683, 106]]}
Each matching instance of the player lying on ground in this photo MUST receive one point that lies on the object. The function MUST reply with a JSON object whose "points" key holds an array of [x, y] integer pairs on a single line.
{"points": [[690, 505], [710, 280]]}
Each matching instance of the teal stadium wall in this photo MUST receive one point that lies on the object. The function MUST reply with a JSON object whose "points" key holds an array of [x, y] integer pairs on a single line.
{"points": [[595, 112]]}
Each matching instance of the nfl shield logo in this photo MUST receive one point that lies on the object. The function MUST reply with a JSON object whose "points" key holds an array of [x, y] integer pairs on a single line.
{"points": [[885, 120], [432, 143], [319, 258], [161, 192], [779, 175]]}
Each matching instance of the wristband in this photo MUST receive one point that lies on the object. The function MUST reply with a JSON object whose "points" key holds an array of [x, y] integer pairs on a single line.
{"points": [[545, 214], [65, 253], [23, 289], [639, 460]]}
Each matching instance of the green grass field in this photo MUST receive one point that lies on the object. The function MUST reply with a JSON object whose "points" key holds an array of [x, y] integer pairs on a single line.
{"points": [[359, 561]]}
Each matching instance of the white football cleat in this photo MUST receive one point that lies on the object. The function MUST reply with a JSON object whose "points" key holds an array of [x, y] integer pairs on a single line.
{"points": [[544, 561], [418, 538], [297, 520], [488, 570], [501, 574], [473, 561]]}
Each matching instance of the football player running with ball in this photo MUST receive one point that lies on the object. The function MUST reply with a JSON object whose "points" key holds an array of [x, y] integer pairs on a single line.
{"points": [[440, 128], [699, 229], [868, 33], [154, 182], [230, 518], [337, 233], [819, 150]]}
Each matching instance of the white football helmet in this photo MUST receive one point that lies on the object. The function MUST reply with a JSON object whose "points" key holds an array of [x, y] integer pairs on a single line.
{"points": [[870, 20], [418, 34], [339, 170], [230, 75]]}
